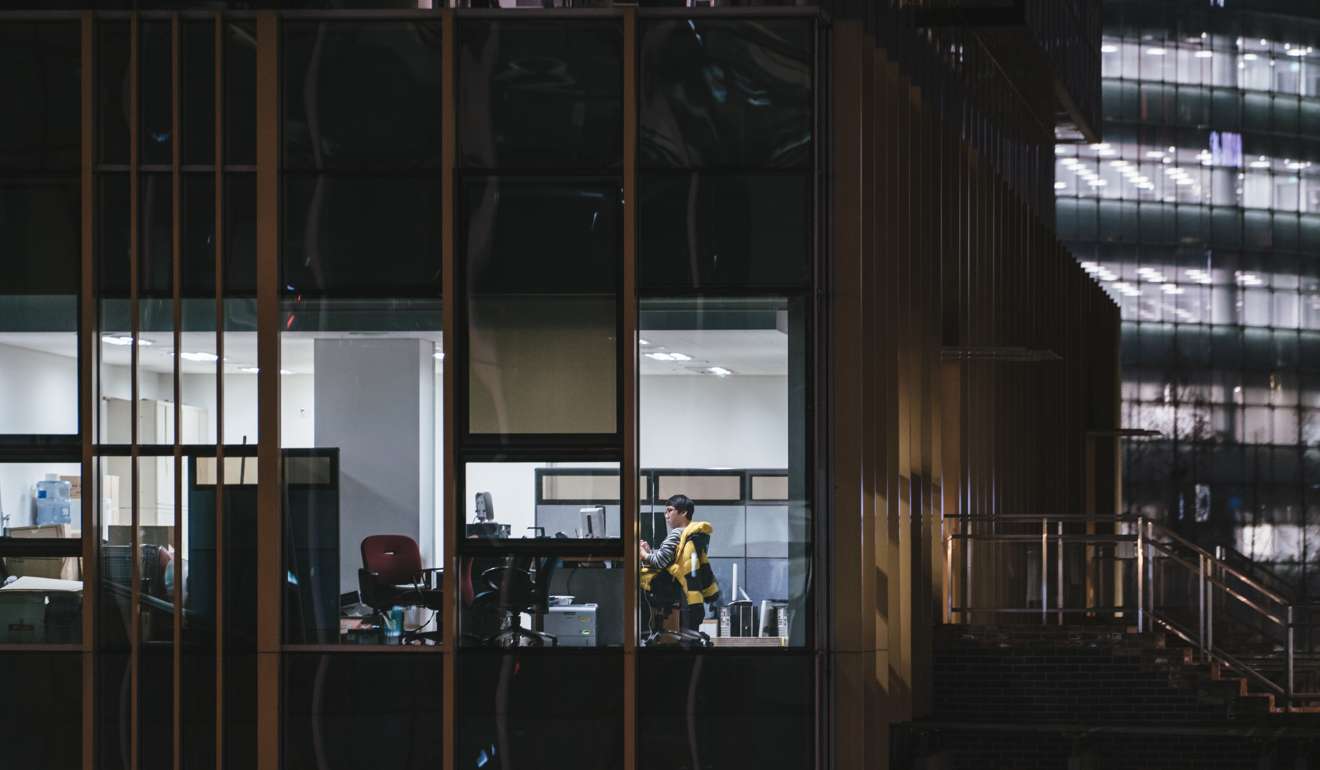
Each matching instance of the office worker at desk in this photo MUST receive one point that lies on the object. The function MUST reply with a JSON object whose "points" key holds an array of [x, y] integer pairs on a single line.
{"points": [[682, 555]]}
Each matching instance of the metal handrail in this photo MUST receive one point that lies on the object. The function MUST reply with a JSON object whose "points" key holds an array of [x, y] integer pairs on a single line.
{"points": [[1215, 581]]}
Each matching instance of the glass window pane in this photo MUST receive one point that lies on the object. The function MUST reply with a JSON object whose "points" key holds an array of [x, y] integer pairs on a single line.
{"points": [[734, 373], [518, 709], [240, 85], [541, 500], [541, 259], [46, 731], [41, 500], [540, 94], [45, 133], [362, 95], [197, 92], [39, 237], [702, 230], [155, 125], [334, 716], [726, 93], [112, 83], [693, 701], [361, 236], [561, 602]]}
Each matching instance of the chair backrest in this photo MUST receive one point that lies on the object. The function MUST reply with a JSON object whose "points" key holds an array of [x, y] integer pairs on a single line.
{"points": [[395, 558]]}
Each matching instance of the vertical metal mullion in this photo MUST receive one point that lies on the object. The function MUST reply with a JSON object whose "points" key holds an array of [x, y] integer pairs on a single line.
{"points": [[269, 510], [86, 393], [628, 487], [449, 501], [135, 536], [176, 290], [219, 518]]}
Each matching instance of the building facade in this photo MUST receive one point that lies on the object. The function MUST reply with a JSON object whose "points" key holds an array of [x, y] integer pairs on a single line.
{"points": [[1200, 213], [352, 359]]}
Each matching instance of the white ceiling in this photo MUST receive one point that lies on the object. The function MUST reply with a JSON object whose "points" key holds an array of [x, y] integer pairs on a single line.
{"points": [[744, 352]]}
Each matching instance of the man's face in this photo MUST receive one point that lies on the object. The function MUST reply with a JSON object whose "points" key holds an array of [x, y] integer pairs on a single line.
{"points": [[674, 518]]}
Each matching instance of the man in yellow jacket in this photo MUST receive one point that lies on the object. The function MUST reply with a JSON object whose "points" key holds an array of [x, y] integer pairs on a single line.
{"points": [[683, 556]]}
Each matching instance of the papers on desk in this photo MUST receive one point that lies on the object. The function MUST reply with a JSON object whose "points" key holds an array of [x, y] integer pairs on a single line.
{"points": [[30, 583]]}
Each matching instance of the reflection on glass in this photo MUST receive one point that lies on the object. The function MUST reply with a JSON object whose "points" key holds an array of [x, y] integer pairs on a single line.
{"points": [[691, 702], [734, 505], [116, 552], [540, 94], [334, 715], [519, 708], [726, 93], [701, 230], [155, 123], [362, 95], [541, 259]]}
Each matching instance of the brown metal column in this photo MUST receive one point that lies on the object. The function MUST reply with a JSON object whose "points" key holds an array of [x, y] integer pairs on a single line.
{"points": [[135, 535], [269, 513], [630, 470], [219, 230], [449, 501], [176, 289], [87, 395]]}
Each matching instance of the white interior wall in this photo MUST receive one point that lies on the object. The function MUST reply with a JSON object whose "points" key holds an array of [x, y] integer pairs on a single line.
{"points": [[38, 392], [297, 406]]}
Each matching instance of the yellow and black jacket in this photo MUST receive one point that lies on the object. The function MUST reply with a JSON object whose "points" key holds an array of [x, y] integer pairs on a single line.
{"points": [[682, 550]]}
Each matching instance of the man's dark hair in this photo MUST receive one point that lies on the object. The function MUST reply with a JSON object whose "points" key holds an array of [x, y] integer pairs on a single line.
{"points": [[683, 504]]}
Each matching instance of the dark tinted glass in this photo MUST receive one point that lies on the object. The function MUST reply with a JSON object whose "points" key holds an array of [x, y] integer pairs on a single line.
{"points": [[691, 703], [362, 95], [154, 98], [156, 693], [154, 228], [197, 666], [348, 712], [541, 261], [362, 236], [240, 213], [197, 206], [240, 84], [726, 93], [197, 92], [550, 708], [540, 94], [113, 714], [39, 229], [45, 728], [112, 85], [112, 223], [41, 130], [703, 230]]}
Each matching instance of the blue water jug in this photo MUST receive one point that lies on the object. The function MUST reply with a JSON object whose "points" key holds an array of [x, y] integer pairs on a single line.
{"points": [[52, 501]]}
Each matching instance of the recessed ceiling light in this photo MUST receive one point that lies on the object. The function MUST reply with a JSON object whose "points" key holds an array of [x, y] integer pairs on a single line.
{"points": [[1108, 48], [439, 356], [124, 340], [204, 357], [1155, 51], [719, 371], [660, 357]]}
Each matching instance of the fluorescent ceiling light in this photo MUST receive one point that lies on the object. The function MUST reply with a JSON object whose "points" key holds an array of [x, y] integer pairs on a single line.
{"points": [[1204, 54], [255, 370], [659, 356], [121, 340], [1108, 48], [1060, 185], [1155, 51], [438, 355], [679, 357], [204, 357], [1154, 154], [1250, 56], [641, 341], [719, 371], [1172, 289]]}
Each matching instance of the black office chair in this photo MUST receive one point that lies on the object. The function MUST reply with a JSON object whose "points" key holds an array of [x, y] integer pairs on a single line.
{"points": [[521, 584], [666, 596], [392, 576]]}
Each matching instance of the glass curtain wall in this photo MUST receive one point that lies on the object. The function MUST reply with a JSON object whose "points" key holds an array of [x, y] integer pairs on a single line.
{"points": [[1200, 213]]}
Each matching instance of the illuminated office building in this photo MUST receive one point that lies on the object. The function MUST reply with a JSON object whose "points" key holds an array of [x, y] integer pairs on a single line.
{"points": [[1200, 214], [349, 354]]}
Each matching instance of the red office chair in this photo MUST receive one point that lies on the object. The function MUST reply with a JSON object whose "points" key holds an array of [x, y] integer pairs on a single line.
{"points": [[392, 576]]}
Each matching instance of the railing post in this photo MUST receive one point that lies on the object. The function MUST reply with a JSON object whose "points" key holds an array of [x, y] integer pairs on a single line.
{"points": [[1290, 656], [1200, 615], [1141, 576], [1150, 576], [1058, 592], [1044, 571]]}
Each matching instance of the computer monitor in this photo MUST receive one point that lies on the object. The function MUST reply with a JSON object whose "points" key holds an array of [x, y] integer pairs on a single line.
{"points": [[593, 521]]}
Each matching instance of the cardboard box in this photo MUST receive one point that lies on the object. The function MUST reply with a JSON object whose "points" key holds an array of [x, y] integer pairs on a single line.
{"points": [[58, 567]]}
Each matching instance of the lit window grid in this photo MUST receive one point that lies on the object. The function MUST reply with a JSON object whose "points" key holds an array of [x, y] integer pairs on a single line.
{"points": [[1214, 60], [1185, 175]]}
